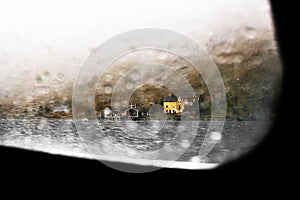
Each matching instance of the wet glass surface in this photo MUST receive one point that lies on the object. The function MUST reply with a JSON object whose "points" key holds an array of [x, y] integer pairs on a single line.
{"points": [[41, 58]]}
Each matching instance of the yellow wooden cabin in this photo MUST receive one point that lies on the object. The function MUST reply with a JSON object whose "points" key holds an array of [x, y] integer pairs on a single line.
{"points": [[172, 104]]}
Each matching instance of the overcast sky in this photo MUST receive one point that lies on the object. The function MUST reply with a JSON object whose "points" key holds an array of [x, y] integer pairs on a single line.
{"points": [[58, 35]]}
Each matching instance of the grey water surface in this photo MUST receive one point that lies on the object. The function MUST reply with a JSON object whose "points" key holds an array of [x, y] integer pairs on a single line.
{"points": [[141, 139]]}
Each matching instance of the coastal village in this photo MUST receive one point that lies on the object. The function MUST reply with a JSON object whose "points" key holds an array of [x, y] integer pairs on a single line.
{"points": [[56, 108], [173, 106]]}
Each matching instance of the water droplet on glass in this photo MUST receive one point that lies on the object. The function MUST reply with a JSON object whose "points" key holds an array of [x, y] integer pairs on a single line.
{"points": [[107, 90], [215, 135], [129, 86]]}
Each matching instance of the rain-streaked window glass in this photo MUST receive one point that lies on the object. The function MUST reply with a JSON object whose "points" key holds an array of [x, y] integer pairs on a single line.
{"points": [[160, 83]]}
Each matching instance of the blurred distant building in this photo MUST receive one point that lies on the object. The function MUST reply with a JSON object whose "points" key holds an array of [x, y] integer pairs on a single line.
{"points": [[65, 109], [173, 104], [106, 113]]}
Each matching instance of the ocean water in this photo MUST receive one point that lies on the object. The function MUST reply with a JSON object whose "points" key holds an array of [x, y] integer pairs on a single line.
{"points": [[163, 140]]}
